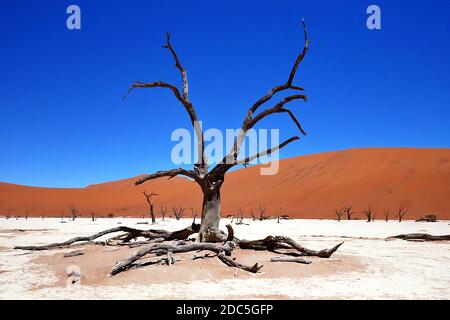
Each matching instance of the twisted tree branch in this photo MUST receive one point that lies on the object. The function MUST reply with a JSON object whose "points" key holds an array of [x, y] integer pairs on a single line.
{"points": [[179, 67], [249, 121], [168, 173], [266, 152]]}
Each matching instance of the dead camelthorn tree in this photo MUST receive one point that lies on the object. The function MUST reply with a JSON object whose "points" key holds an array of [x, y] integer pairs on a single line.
{"points": [[348, 212], [369, 214], [402, 210], [93, 215], [262, 212], [73, 211], [210, 237], [162, 212], [386, 214], [209, 179], [178, 212], [148, 198], [194, 214], [280, 215], [240, 217], [252, 214], [339, 214]]}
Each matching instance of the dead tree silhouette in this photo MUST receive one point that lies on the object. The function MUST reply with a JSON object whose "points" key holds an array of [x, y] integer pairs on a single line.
{"points": [[74, 212], [162, 212], [210, 180], [386, 214], [369, 214], [262, 212], [178, 212], [402, 211], [348, 211], [148, 198], [339, 214]]}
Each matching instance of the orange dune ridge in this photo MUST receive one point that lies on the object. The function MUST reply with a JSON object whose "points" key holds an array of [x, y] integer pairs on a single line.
{"points": [[310, 186]]}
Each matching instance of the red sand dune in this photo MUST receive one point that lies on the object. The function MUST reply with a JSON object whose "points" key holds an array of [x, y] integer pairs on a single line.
{"points": [[311, 186]]}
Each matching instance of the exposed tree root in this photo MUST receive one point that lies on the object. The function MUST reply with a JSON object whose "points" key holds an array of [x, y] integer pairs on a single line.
{"points": [[165, 248], [130, 233], [420, 236], [156, 244], [74, 240]]}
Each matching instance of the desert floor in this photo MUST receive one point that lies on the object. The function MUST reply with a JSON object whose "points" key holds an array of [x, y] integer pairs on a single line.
{"points": [[365, 267]]}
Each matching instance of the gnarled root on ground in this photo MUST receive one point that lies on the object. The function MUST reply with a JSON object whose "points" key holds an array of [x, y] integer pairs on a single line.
{"points": [[123, 239], [156, 243]]}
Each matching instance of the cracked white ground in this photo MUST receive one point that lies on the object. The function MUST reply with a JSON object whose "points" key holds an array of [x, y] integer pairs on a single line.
{"points": [[365, 267]]}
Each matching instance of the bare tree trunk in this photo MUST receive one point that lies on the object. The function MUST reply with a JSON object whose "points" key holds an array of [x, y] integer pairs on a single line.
{"points": [[148, 197], [209, 228], [152, 214]]}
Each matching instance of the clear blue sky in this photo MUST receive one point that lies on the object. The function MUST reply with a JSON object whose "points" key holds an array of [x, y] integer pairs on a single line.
{"points": [[63, 122]]}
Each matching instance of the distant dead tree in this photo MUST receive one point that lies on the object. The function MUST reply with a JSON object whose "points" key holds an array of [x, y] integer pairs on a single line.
{"points": [[281, 215], [339, 214], [262, 212], [369, 214], [402, 210], [163, 211], [386, 215], [240, 218], [74, 212], [252, 214], [26, 215], [178, 212], [148, 198], [348, 212], [194, 214], [93, 215]]}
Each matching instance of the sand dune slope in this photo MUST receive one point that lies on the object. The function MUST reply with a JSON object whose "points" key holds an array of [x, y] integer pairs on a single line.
{"points": [[309, 186]]}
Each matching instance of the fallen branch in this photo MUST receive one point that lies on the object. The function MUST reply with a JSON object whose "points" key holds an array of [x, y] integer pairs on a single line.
{"points": [[287, 259], [272, 243], [74, 253], [205, 256], [232, 263], [420, 236]]}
